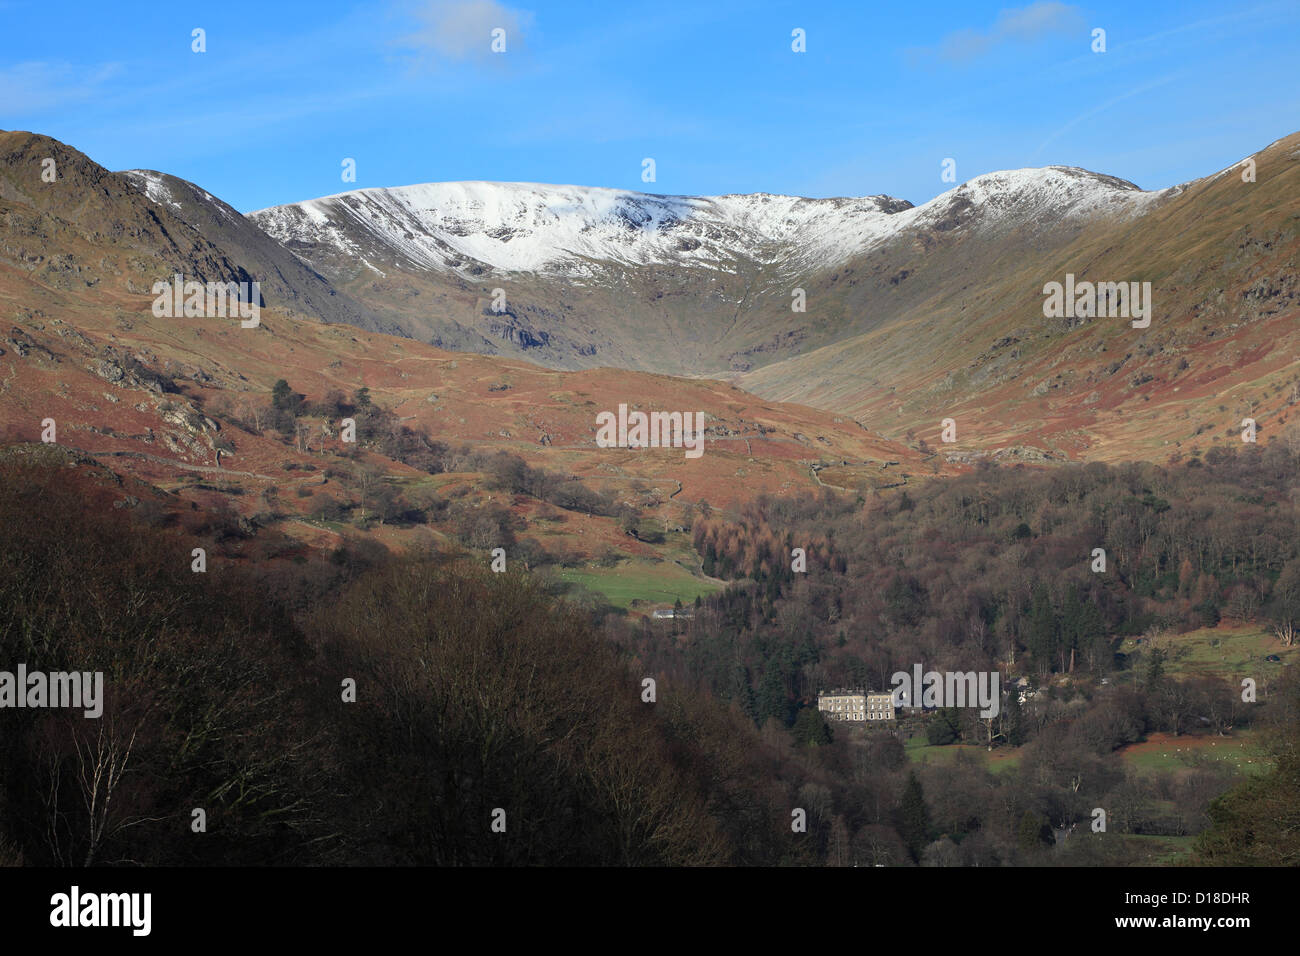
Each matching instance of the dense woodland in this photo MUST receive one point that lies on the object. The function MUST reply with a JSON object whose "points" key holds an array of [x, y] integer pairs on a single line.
{"points": [[995, 571], [474, 691], [477, 691]]}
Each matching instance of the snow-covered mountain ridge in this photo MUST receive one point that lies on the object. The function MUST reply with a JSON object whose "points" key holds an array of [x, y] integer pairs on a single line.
{"points": [[570, 230]]}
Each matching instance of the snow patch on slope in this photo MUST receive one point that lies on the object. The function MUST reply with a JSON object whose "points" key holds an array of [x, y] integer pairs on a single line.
{"points": [[158, 190], [153, 186]]}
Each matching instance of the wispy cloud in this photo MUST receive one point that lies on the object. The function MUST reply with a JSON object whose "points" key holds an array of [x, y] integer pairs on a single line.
{"points": [[1128, 94], [463, 29], [35, 86], [1022, 25]]}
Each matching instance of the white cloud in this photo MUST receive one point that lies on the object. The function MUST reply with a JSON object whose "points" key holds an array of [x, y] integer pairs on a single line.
{"points": [[462, 29], [1025, 24]]}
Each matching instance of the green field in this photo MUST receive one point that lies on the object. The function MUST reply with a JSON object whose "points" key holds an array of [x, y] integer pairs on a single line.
{"points": [[1164, 752], [1232, 652], [1160, 753], [641, 584], [999, 760]]}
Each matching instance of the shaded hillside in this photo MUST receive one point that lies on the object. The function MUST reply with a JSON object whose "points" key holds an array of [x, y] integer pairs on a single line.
{"points": [[94, 238], [286, 282], [473, 692]]}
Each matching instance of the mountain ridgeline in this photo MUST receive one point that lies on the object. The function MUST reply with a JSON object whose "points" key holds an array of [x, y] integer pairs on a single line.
{"points": [[896, 314]]}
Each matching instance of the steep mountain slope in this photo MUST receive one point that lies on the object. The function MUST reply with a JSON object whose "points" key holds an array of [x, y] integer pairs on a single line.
{"points": [[284, 279], [97, 234]]}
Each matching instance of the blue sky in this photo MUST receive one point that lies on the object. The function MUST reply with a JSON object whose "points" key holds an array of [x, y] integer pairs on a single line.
{"points": [[712, 91]]}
